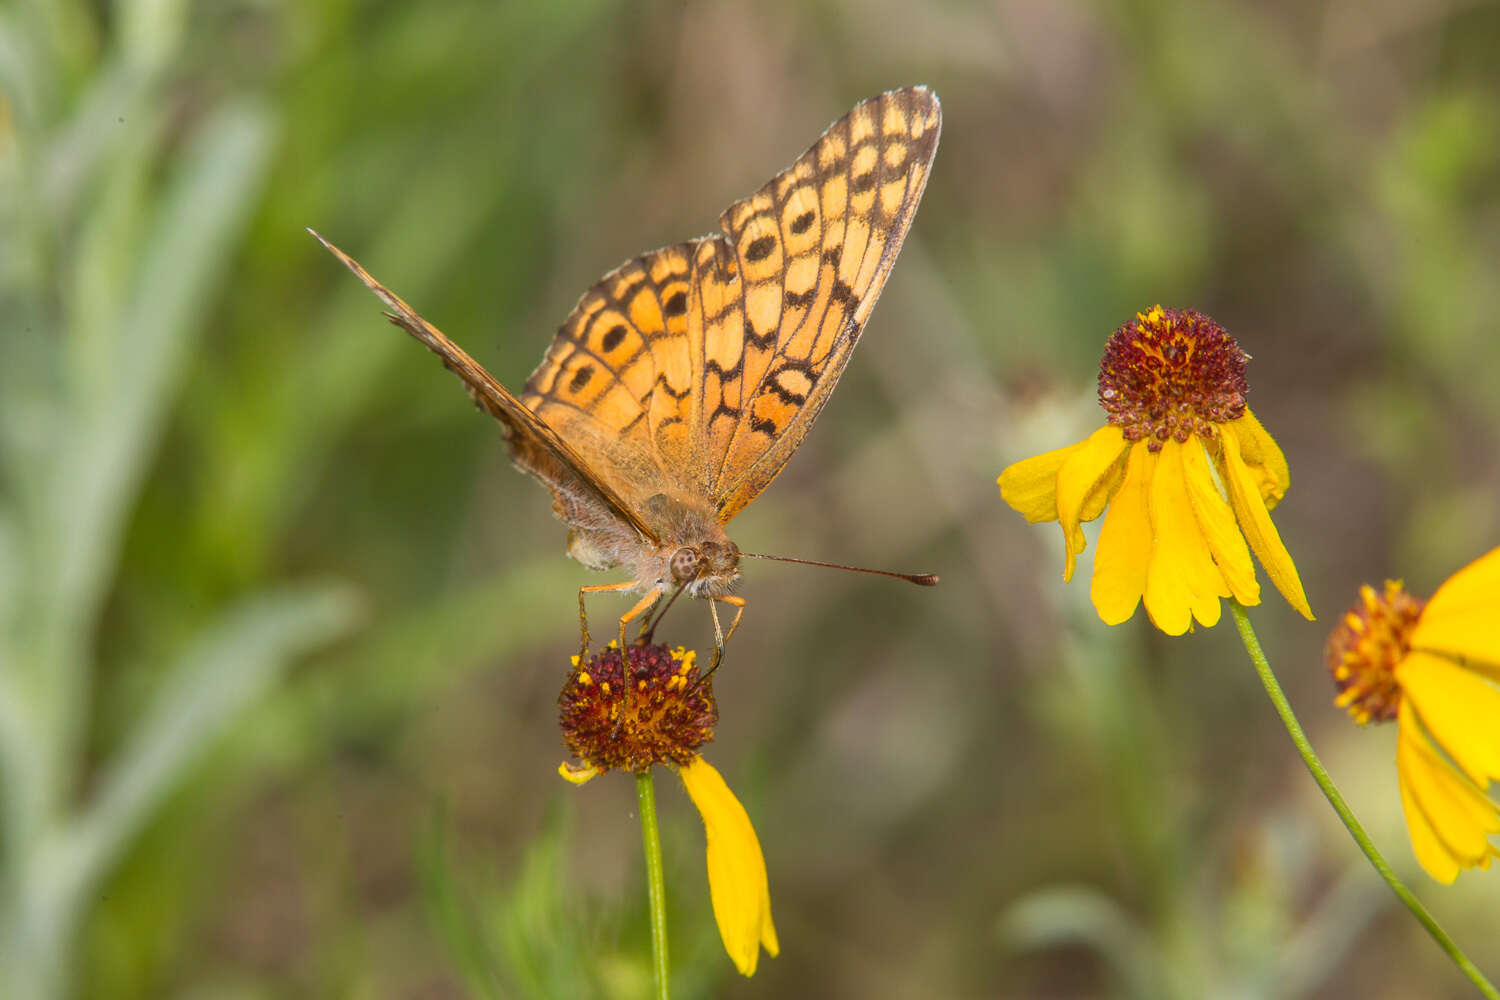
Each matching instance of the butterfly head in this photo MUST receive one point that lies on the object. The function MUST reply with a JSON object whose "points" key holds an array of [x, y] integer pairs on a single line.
{"points": [[694, 553], [707, 569]]}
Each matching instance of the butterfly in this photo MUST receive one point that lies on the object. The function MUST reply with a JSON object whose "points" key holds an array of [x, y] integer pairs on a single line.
{"points": [[684, 379]]}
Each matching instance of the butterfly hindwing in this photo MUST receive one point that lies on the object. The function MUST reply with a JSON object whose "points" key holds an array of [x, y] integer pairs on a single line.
{"points": [[618, 377]]}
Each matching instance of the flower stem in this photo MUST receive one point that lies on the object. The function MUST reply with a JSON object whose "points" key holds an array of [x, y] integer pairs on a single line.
{"points": [[1330, 790], [656, 884]]}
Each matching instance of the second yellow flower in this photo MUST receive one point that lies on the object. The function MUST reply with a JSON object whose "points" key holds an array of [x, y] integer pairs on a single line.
{"points": [[1186, 474]]}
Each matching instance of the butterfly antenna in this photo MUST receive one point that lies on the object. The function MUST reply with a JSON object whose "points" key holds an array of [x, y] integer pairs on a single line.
{"points": [[920, 579]]}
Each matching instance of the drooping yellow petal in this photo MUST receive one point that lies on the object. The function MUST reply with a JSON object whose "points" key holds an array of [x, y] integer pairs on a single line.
{"points": [[1460, 709], [737, 880], [1463, 617], [1125, 542], [578, 774], [1097, 499], [1216, 522], [1255, 521], [1182, 582], [1263, 456], [1030, 485], [1084, 483], [1450, 821], [1432, 854]]}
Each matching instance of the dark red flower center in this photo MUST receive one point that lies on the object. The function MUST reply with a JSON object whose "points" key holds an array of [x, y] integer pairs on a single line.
{"points": [[663, 712], [1170, 374]]}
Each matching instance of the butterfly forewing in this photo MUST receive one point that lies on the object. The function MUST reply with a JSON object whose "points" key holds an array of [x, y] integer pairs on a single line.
{"points": [[813, 247]]}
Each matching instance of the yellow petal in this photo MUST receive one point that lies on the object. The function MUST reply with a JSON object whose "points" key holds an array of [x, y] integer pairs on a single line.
{"points": [[1182, 582], [1097, 498], [1449, 820], [1093, 463], [1412, 771], [1459, 708], [1030, 486], [736, 868], [1264, 458], [1463, 617], [1125, 542], [1216, 521], [1084, 483], [578, 774], [1255, 521]]}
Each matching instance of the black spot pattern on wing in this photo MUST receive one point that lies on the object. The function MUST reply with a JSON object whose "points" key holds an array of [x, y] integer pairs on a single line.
{"points": [[815, 246]]}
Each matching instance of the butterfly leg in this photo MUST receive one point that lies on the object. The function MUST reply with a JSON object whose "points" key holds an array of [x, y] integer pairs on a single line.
{"points": [[648, 627], [641, 608], [721, 637], [738, 603], [583, 615]]}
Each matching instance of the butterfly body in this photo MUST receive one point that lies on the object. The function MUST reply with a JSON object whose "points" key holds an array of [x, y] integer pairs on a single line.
{"points": [[695, 553], [683, 380]]}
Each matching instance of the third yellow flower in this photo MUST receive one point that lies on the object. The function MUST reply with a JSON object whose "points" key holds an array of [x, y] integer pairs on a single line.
{"points": [[1435, 668]]}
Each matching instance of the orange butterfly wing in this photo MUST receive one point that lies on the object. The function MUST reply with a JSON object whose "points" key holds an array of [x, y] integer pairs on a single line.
{"points": [[697, 369], [813, 248], [618, 379]]}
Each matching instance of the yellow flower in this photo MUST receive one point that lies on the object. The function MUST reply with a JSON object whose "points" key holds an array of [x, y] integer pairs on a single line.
{"points": [[1186, 472], [661, 713], [1436, 670]]}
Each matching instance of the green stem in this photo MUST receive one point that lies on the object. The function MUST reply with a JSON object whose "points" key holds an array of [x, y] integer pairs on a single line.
{"points": [[1330, 790], [656, 884]]}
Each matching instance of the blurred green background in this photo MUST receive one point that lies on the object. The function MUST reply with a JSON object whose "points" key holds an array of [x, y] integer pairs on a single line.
{"points": [[283, 630]]}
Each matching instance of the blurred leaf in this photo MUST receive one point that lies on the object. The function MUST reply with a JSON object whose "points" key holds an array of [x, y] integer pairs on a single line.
{"points": [[529, 935], [1318, 947], [406, 654], [450, 910], [213, 682], [1072, 915], [118, 408]]}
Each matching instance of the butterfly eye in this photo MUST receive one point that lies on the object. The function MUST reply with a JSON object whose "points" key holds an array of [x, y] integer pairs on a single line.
{"points": [[685, 564]]}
